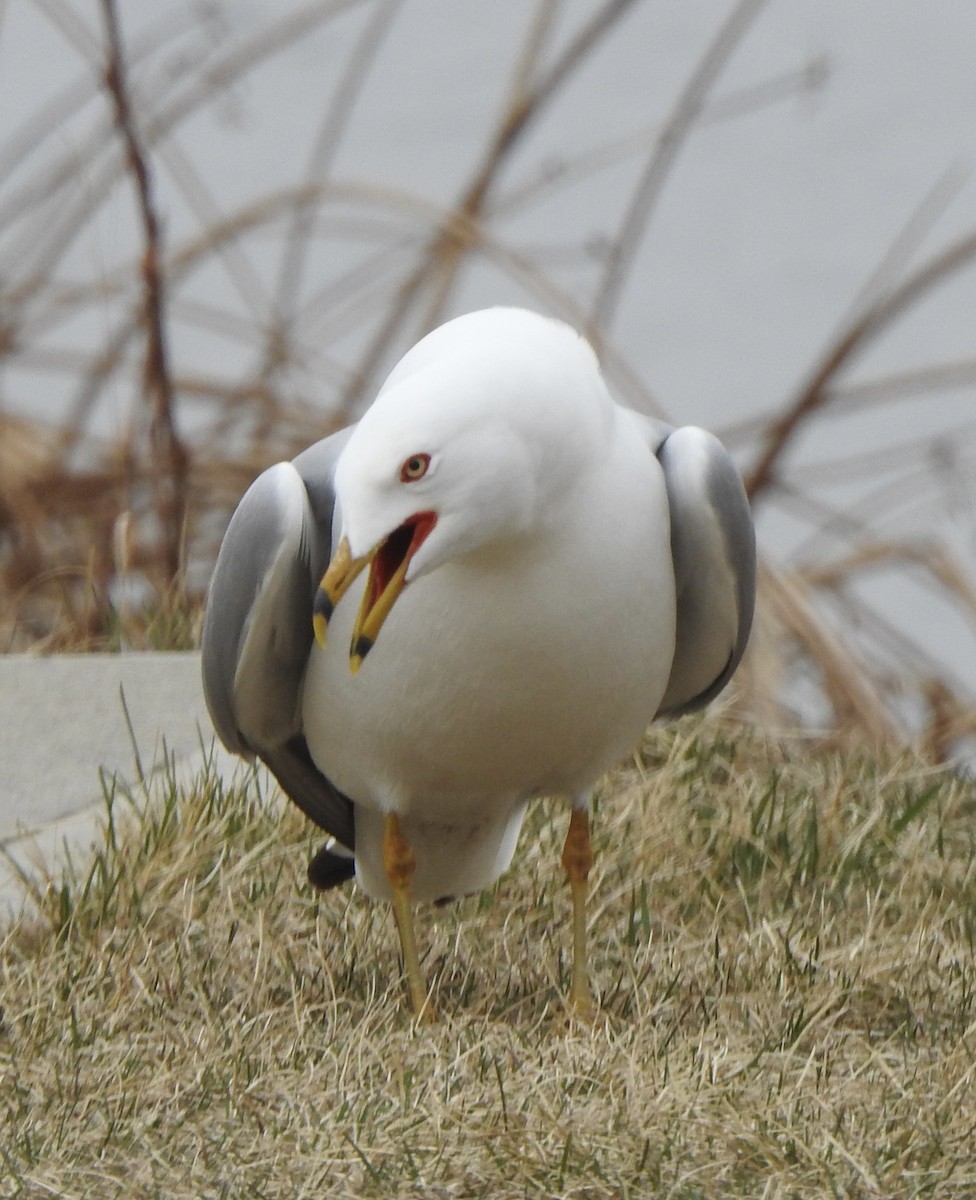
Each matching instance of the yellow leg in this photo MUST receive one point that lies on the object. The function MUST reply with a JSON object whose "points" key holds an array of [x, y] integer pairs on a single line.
{"points": [[400, 864], [578, 859]]}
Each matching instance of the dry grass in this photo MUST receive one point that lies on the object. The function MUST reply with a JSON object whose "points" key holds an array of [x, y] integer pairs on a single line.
{"points": [[783, 943], [782, 934]]}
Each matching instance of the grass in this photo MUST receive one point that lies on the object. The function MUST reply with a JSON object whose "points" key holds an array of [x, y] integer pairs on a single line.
{"points": [[781, 934], [782, 941]]}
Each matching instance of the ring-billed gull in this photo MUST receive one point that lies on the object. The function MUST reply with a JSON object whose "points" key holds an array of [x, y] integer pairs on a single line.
{"points": [[534, 573]]}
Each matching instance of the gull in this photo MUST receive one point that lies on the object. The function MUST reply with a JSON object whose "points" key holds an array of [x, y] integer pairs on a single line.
{"points": [[481, 593]]}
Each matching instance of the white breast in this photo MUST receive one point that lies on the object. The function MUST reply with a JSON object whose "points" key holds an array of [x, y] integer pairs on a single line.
{"points": [[525, 668]]}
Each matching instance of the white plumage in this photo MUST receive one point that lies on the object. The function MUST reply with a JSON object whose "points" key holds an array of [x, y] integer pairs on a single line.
{"points": [[524, 574]]}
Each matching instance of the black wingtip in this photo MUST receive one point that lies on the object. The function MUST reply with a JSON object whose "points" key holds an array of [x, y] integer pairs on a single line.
{"points": [[329, 870]]}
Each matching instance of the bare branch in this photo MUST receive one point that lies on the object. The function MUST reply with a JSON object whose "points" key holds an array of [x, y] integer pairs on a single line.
{"points": [[338, 111], [442, 257], [674, 134], [814, 394], [167, 452]]}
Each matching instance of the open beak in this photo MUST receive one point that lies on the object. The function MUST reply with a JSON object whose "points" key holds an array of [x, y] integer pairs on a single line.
{"points": [[387, 562]]}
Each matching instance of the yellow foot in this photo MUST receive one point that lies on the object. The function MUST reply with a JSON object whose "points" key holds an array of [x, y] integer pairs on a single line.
{"points": [[578, 1017], [577, 859], [400, 864], [580, 1001]]}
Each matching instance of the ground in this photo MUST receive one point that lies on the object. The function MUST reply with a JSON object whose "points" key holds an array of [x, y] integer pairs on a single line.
{"points": [[782, 945]]}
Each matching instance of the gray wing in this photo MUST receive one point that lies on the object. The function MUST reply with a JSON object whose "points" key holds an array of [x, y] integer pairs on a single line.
{"points": [[713, 545], [257, 628]]}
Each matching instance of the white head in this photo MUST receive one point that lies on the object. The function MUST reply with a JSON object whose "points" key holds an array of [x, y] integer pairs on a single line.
{"points": [[478, 428]]}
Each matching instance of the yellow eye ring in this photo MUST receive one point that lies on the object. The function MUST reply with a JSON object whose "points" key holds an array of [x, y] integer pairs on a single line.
{"points": [[414, 468]]}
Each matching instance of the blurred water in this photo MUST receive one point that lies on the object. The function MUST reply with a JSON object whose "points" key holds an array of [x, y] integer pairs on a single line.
{"points": [[770, 224]]}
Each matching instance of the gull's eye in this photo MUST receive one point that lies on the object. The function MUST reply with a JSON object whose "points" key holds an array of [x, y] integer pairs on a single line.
{"points": [[414, 468]]}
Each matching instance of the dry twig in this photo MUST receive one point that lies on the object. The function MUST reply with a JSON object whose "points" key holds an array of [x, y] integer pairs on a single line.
{"points": [[672, 137], [168, 454], [457, 233], [781, 431]]}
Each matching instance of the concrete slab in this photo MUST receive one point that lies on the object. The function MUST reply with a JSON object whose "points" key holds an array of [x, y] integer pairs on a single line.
{"points": [[65, 722]]}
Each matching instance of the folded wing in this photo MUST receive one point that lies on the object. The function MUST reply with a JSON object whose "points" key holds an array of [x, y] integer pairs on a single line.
{"points": [[713, 545], [257, 630]]}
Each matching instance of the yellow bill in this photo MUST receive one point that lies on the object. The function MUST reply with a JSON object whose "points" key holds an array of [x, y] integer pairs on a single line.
{"points": [[388, 562]]}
